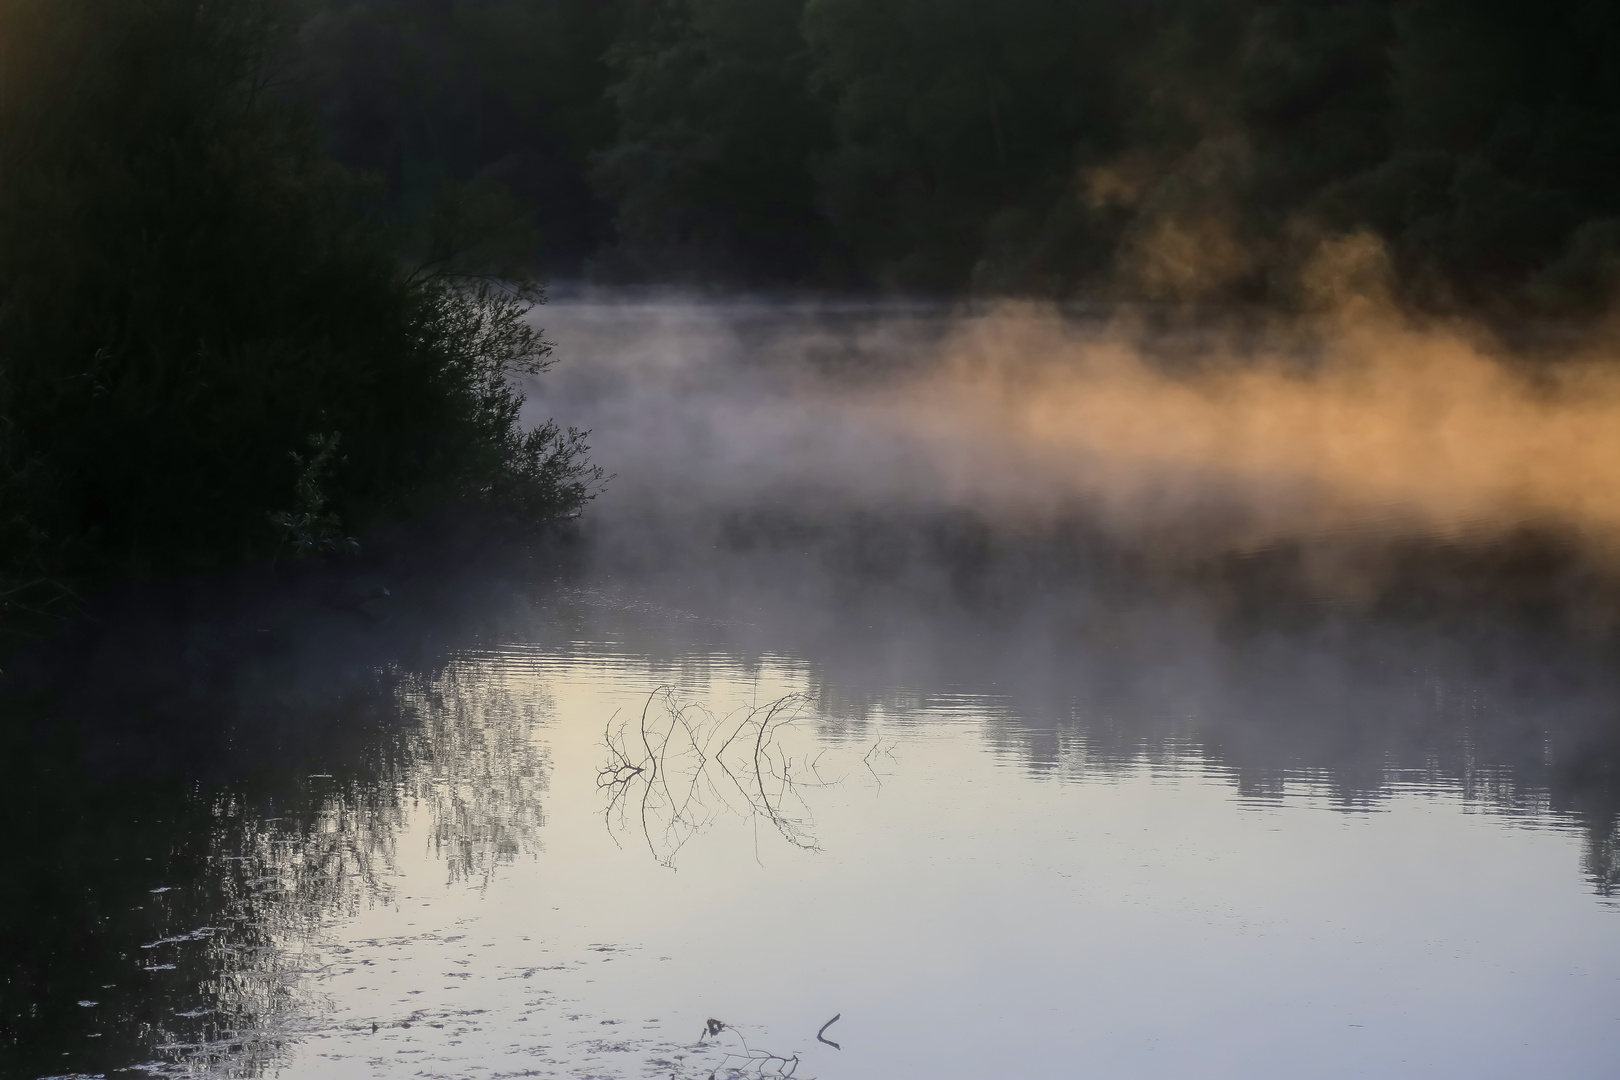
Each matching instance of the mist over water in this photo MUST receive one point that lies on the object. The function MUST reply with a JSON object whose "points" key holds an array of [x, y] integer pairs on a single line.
{"points": [[1000, 682], [1229, 437], [1356, 457], [1344, 546]]}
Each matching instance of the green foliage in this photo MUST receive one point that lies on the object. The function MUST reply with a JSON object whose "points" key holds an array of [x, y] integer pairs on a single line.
{"points": [[479, 334], [1476, 138], [959, 122], [501, 92], [312, 527], [192, 295], [1156, 148], [716, 130]]}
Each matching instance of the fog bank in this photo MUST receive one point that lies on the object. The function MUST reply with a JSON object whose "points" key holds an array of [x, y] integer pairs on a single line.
{"points": [[1343, 433]]}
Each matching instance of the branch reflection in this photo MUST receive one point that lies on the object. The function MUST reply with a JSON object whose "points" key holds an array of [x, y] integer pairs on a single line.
{"points": [[678, 767]]}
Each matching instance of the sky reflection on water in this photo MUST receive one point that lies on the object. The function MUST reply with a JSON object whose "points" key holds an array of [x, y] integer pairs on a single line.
{"points": [[969, 916], [1103, 906]]}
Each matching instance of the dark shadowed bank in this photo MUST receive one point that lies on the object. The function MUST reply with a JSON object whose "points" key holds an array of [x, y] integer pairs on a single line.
{"points": [[212, 350]]}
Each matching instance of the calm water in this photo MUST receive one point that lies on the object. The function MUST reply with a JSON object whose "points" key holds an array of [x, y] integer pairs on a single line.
{"points": [[1001, 807]]}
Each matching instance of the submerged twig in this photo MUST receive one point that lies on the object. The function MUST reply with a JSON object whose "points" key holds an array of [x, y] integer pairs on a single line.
{"points": [[751, 1063], [678, 767]]}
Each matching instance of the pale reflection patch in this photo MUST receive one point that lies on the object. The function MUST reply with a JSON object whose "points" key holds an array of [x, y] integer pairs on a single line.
{"points": [[964, 915]]}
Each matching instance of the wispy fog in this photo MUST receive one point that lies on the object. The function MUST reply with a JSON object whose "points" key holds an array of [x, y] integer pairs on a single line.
{"points": [[1342, 437]]}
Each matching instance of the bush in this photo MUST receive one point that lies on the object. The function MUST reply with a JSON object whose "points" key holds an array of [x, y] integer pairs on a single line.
{"points": [[210, 346]]}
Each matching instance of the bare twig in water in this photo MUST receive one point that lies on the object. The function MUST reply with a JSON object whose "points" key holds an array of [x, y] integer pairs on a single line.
{"points": [[821, 1035], [877, 748], [745, 1062], [678, 767]]}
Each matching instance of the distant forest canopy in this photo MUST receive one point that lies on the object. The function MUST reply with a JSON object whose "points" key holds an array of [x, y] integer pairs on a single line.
{"points": [[1173, 149]]}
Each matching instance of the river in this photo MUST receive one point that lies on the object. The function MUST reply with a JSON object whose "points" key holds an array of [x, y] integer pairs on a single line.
{"points": [[832, 743]]}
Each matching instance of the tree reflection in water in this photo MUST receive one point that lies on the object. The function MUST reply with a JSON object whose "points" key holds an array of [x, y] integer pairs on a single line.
{"points": [[182, 926], [475, 764]]}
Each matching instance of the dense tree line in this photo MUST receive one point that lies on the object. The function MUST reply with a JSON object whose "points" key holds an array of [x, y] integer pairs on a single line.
{"points": [[234, 319], [212, 346], [1171, 148]]}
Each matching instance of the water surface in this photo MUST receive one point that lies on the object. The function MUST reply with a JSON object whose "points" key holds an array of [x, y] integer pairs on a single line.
{"points": [[1000, 804]]}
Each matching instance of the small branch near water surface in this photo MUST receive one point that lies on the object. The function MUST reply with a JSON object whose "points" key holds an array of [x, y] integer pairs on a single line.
{"points": [[679, 767], [744, 1062]]}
